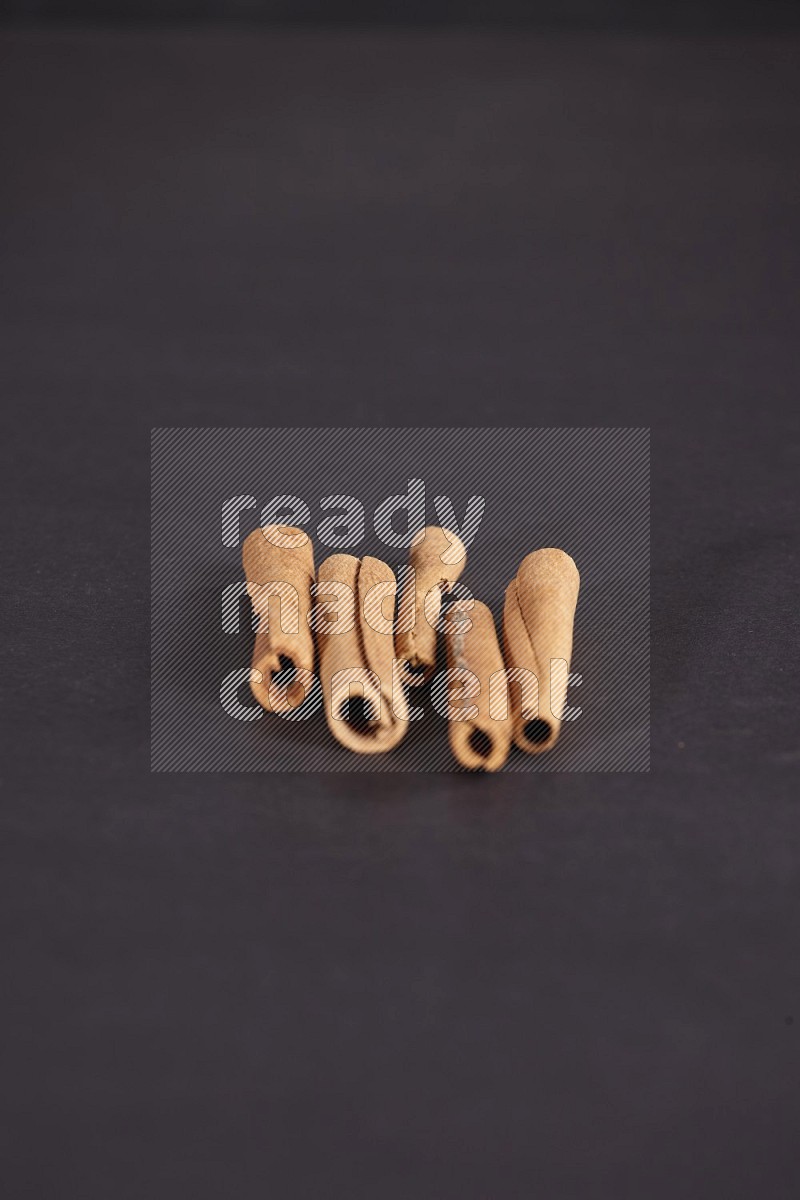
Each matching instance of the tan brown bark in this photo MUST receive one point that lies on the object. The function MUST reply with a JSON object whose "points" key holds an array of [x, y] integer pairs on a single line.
{"points": [[365, 705], [279, 579], [481, 739], [437, 558], [537, 634]]}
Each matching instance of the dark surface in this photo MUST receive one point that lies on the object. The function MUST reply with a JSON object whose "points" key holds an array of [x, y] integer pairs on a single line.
{"points": [[672, 15], [287, 986]]}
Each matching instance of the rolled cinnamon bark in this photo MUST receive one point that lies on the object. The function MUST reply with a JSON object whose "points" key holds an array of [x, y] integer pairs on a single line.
{"points": [[279, 578], [365, 705], [479, 723], [537, 634], [436, 557]]}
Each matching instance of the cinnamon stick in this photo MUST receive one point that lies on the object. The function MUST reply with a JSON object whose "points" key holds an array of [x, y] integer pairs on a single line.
{"points": [[279, 568], [537, 633], [479, 723], [365, 705], [436, 558]]}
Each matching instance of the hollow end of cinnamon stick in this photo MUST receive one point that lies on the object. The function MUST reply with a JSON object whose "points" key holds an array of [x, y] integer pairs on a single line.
{"points": [[479, 747], [535, 735], [274, 681]]}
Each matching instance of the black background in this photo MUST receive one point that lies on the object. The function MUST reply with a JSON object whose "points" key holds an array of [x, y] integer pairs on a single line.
{"points": [[248, 985]]}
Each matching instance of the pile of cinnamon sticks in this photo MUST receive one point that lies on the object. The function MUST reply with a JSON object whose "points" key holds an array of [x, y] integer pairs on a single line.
{"points": [[371, 659]]}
